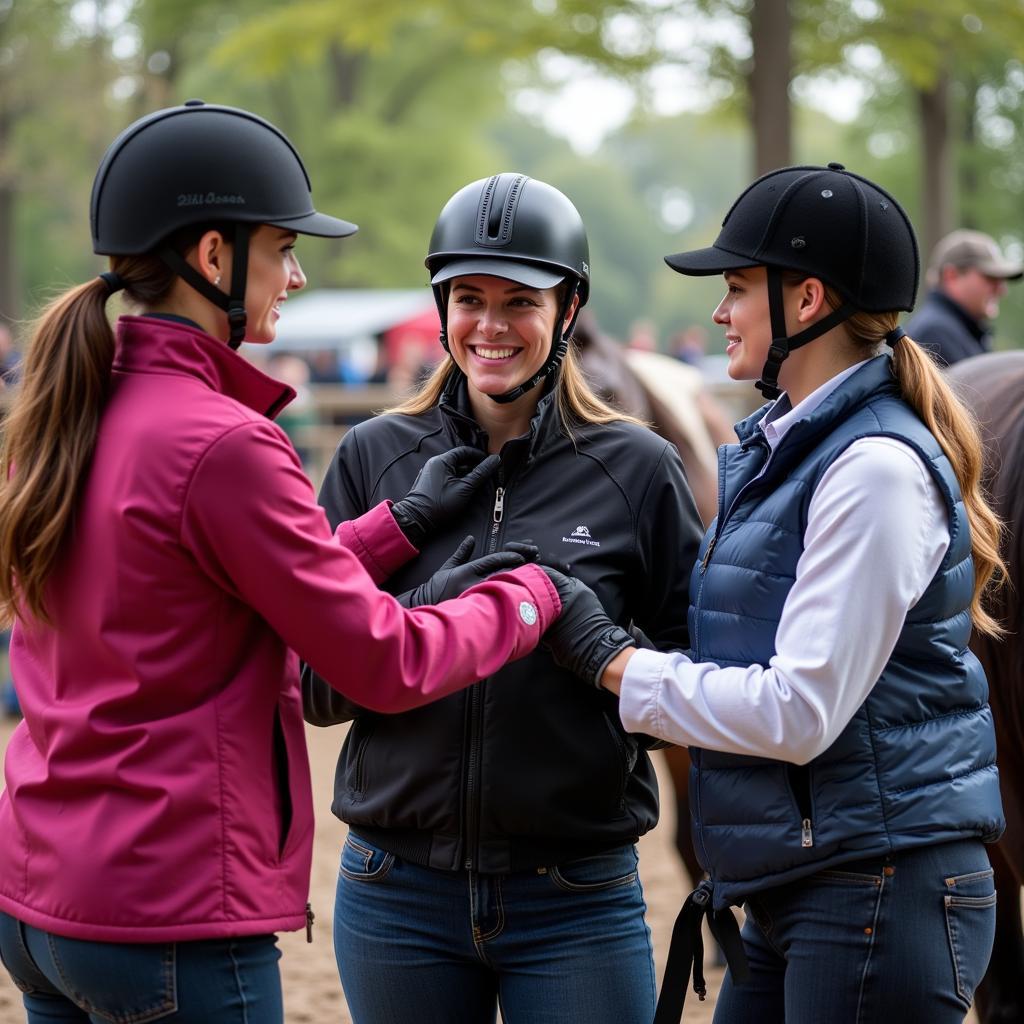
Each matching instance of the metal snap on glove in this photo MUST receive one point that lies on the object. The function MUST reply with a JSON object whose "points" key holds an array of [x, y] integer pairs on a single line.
{"points": [[582, 639], [441, 491]]}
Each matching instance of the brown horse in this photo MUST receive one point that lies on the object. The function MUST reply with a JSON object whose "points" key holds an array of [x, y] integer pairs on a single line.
{"points": [[993, 386]]}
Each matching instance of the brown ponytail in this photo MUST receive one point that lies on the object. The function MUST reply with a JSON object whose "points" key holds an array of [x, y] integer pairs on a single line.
{"points": [[925, 389], [48, 439], [50, 431]]}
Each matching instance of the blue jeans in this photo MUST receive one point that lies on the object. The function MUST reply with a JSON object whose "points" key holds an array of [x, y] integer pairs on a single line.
{"points": [[231, 981], [902, 940], [551, 945], [8, 698]]}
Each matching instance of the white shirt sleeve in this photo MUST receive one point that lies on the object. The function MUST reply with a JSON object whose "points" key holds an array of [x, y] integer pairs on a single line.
{"points": [[877, 532]]}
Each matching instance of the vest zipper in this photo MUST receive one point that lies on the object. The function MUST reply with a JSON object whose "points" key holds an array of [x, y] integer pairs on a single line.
{"points": [[720, 521], [476, 712], [800, 783], [707, 555], [806, 835]]}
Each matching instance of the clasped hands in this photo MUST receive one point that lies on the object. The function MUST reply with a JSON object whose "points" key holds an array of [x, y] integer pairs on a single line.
{"points": [[582, 639]]}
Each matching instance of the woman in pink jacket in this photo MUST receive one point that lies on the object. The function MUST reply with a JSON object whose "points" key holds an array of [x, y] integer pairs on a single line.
{"points": [[162, 555]]}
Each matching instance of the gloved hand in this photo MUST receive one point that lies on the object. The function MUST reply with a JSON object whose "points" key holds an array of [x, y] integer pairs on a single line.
{"points": [[640, 638], [582, 639], [457, 574], [441, 490]]}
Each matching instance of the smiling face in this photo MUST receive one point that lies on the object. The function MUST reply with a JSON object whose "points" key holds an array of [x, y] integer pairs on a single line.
{"points": [[499, 331], [274, 271], [743, 312]]}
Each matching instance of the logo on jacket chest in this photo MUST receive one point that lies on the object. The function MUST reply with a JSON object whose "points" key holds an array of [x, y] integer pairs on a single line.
{"points": [[581, 535]]}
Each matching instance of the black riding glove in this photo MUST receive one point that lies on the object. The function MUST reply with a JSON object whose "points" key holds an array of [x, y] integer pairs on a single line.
{"points": [[583, 639], [457, 575], [442, 489]]}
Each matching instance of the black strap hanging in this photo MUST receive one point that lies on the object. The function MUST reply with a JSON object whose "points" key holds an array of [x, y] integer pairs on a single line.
{"points": [[234, 303], [239, 275], [768, 385], [559, 344], [686, 952], [782, 345]]}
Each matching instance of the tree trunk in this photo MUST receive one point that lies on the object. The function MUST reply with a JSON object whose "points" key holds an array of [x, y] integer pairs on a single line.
{"points": [[969, 183], [346, 72], [936, 164], [10, 293], [768, 83]]}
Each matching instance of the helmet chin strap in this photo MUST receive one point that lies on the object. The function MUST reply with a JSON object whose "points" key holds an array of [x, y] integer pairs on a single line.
{"points": [[782, 345], [232, 303], [559, 343]]}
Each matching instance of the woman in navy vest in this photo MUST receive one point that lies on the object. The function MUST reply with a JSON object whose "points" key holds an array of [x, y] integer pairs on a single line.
{"points": [[844, 777]]}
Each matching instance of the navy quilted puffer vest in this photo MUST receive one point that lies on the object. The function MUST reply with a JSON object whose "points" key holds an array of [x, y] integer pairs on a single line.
{"points": [[916, 765]]}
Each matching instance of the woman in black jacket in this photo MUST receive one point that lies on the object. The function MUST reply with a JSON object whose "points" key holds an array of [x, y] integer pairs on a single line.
{"points": [[491, 856]]}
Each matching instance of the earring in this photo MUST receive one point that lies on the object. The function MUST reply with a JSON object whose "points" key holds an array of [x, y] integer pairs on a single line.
{"points": [[217, 281]]}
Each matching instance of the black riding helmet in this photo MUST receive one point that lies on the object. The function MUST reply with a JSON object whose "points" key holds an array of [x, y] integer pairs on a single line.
{"points": [[825, 222], [518, 228], [195, 164]]}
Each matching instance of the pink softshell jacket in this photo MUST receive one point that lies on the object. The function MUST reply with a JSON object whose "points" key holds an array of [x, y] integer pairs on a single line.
{"points": [[158, 787]]}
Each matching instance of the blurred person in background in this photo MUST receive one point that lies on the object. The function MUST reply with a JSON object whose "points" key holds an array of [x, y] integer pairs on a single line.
{"points": [[968, 275], [10, 358], [690, 345], [162, 555], [490, 859]]}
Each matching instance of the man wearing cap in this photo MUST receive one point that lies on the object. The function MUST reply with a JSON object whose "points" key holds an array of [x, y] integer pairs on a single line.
{"points": [[968, 275]]}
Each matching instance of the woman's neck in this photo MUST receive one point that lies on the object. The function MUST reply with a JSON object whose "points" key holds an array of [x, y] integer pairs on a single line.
{"points": [[806, 369], [504, 421]]}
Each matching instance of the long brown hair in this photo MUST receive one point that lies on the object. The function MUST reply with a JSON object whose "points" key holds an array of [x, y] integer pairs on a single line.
{"points": [[924, 388], [51, 427]]}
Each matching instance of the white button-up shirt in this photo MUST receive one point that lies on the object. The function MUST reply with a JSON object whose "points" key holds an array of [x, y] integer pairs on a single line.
{"points": [[877, 531]]}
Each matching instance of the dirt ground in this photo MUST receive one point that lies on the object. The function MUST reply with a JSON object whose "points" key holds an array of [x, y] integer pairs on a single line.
{"points": [[312, 991]]}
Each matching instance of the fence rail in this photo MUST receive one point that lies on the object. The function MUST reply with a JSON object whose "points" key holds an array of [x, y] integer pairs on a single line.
{"points": [[333, 408]]}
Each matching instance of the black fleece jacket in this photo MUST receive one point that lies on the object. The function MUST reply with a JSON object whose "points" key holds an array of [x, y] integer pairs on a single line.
{"points": [[529, 767]]}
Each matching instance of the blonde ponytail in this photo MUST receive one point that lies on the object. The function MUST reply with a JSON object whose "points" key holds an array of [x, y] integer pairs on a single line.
{"points": [[955, 428], [926, 390]]}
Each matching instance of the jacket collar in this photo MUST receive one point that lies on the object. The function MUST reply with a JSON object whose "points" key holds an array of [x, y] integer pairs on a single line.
{"points": [[545, 424], [149, 344]]}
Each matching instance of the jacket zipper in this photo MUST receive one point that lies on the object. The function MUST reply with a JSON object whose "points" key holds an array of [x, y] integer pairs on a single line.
{"points": [[476, 707], [310, 918]]}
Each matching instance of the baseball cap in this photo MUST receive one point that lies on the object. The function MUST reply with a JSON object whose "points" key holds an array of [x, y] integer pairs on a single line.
{"points": [[965, 249]]}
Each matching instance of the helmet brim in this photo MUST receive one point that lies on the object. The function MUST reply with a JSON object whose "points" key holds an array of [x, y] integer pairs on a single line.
{"points": [[318, 224], [703, 262], [512, 270]]}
